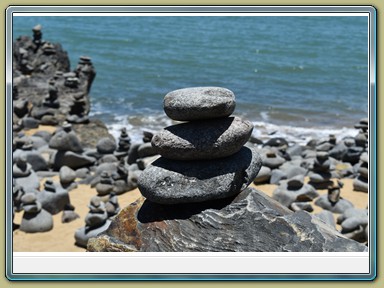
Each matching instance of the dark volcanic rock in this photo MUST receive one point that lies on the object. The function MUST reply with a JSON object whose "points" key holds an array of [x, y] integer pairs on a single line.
{"points": [[199, 103], [171, 181], [251, 222], [208, 139]]}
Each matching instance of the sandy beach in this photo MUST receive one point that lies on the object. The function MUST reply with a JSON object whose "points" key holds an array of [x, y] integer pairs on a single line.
{"points": [[61, 237]]}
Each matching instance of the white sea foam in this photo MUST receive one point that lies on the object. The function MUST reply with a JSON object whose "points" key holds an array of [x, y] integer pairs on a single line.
{"points": [[263, 130], [300, 135]]}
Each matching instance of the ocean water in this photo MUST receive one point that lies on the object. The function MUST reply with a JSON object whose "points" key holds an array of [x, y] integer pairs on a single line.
{"points": [[296, 77]]}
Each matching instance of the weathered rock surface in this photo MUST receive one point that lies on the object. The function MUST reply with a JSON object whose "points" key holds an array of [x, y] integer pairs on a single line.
{"points": [[171, 181], [207, 139], [251, 222], [199, 103]]}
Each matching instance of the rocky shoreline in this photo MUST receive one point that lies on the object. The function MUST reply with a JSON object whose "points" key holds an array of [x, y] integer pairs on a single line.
{"points": [[67, 150]]}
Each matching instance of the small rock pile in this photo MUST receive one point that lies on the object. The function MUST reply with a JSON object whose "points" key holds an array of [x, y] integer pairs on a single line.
{"points": [[203, 159]]}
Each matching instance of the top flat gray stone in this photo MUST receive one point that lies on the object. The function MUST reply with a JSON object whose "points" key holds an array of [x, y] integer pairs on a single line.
{"points": [[199, 103]]}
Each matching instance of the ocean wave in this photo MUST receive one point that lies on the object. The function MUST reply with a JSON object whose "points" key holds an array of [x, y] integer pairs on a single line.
{"points": [[263, 130]]}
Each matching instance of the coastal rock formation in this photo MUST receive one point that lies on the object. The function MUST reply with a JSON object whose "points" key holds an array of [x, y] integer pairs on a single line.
{"points": [[201, 160], [250, 221]]}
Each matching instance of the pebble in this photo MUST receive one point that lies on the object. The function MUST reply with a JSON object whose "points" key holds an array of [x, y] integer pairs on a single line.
{"points": [[208, 139], [172, 182], [199, 103]]}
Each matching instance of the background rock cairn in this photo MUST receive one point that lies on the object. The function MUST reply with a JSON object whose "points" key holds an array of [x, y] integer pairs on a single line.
{"points": [[204, 158]]}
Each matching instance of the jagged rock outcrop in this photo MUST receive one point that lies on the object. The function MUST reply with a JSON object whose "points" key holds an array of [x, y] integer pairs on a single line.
{"points": [[251, 221]]}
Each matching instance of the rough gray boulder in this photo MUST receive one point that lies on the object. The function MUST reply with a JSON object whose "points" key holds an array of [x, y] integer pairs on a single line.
{"points": [[208, 139], [251, 222], [106, 145], [199, 103], [171, 181], [64, 141]]}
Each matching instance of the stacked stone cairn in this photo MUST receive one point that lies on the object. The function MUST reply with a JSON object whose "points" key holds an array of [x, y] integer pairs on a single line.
{"points": [[320, 176], [96, 221], [295, 194], [360, 183], [204, 158], [35, 218], [332, 201]]}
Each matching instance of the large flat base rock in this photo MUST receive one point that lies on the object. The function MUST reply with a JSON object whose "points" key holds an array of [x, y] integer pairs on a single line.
{"points": [[249, 222]]}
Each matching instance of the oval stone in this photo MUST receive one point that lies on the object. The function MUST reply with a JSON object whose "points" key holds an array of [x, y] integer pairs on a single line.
{"points": [[199, 103], [172, 182], [209, 139]]}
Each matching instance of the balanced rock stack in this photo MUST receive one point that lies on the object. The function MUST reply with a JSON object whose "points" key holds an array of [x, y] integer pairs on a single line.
{"points": [[203, 159]]}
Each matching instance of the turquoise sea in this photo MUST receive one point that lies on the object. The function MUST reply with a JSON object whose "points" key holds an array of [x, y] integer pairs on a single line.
{"points": [[292, 76]]}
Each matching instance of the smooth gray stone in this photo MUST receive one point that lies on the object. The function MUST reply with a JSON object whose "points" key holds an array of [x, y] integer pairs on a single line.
{"points": [[353, 155], [36, 160], [67, 175], [301, 206], [363, 172], [273, 162], [30, 123], [133, 154], [171, 182], [64, 141], [292, 170], [82, 173], [199, 103], [106, 145], [208, 139], [276, 176], [20, 107], [38, 142], [249, 222], [93, 219], [108, 158], [364, 157], [104, 189], [276, 142], [146, 150], [83, 234], [324, 146], [36, 222], [340, 207], [30, 183], [360, 184], [53, 202], [43, 134], [295, 150], [286, 195], [69, 216], [338, 151], [72, 160], [327, 217], [352, 218], [263, 176]]}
